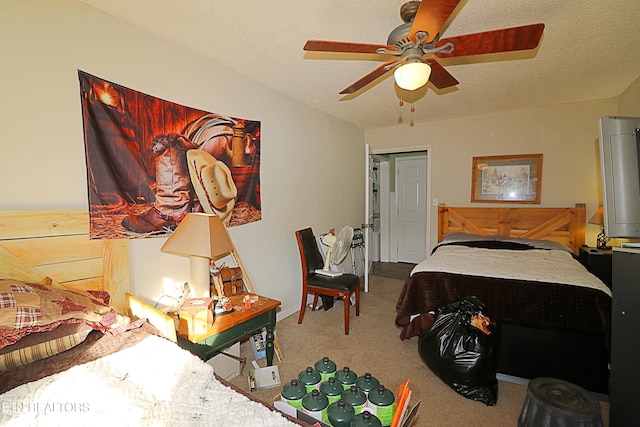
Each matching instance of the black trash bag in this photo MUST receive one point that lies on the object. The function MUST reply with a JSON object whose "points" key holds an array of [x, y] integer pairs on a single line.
{"points": [[460, 354]]}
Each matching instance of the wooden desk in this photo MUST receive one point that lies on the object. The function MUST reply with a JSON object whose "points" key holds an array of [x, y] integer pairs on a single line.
{"points": [[227, 329]]}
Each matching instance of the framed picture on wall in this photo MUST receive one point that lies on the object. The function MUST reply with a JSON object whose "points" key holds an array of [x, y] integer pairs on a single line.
{"points": [[511, 178]]}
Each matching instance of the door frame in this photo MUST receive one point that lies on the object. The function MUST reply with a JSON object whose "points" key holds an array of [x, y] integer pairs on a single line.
{"points": [[398, 150]]}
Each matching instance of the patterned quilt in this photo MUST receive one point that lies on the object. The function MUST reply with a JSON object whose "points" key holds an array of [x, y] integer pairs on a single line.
{"points": [[153, 383], [27, 307]]}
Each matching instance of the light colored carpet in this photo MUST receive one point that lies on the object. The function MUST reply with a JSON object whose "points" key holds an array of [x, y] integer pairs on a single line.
{"points": [[374, 346]]}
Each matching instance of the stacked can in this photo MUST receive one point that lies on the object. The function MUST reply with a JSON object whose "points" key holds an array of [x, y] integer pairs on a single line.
{"points": [[332, 389], [355, 397], [310, 378], [382, 404], [315, 405], [346, 377], [340, 414], [293, 392], [367, 383], [339, 397], [365, 419], [326, 367]]}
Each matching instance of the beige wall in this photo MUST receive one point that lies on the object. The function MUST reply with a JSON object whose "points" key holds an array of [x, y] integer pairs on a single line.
{"points": [[310, 160], [629, 100], [42, 165], [566, 135]]}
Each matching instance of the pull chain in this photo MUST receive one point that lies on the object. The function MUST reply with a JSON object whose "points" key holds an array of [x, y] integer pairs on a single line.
{"points": [[413, 108]]}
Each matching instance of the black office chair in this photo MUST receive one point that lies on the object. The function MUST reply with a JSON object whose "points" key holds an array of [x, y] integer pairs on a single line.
{"points": [[340, 286]]}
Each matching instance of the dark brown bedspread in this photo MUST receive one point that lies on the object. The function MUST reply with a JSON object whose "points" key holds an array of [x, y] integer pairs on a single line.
{"points": [[525, 302]]}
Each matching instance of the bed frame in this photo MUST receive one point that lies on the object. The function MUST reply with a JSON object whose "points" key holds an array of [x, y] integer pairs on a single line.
{"points": [[563, 225], [524, 352], [53, 247]]}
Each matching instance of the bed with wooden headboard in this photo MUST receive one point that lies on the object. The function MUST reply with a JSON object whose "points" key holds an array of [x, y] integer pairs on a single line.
{"points": [[48, 246], [522, 264], [107, 366], [562, 225]]}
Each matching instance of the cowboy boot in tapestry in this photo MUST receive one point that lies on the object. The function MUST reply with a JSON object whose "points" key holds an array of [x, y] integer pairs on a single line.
{"points": [[173, 187]]}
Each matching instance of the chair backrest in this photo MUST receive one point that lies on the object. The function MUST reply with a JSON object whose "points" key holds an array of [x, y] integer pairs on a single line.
{"points": [[309, 252]]}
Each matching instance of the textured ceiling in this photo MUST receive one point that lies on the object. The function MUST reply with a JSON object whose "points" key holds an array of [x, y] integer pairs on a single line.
{"points": [[590, 49]]}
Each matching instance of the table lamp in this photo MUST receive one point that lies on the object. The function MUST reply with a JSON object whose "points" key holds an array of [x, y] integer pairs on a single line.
{"points": [[202, 237], [598, 219]]}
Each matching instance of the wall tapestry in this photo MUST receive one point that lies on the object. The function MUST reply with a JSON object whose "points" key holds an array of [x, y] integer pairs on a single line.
{"points": [[150, 162]]}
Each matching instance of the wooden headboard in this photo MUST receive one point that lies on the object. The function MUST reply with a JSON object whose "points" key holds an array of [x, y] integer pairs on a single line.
{"points": [[53, 246], [563, 225]]}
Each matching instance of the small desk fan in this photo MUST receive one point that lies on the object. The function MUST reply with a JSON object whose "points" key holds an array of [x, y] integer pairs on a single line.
{"points": [[339, 246]]}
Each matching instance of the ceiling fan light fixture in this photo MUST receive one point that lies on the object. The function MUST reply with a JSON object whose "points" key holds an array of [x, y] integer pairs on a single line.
{"points": [[412, 75]]}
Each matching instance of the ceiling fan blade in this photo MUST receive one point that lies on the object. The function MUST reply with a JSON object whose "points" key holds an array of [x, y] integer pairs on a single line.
{"points": [[440, 77], [431, 16], [349, 47], [381, 70], [505, 40]]}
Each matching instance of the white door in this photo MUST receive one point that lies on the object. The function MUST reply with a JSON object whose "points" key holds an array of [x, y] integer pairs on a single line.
{"points": [[367, 226], [411, 195]]}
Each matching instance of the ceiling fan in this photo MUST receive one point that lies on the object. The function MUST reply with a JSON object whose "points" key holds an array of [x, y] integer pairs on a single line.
{"points": [[417, 42]]}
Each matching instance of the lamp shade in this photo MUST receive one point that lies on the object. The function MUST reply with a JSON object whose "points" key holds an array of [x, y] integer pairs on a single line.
{"points": [[598, 217], [412, 75], [202, 237]]}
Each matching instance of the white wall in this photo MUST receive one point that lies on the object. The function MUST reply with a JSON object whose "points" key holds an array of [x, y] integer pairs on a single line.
{"points": [[42, 165], [566, 135]]}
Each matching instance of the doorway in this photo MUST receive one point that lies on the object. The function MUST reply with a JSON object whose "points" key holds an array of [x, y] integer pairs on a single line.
{"points": [[411, 195], [400, 231]]}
